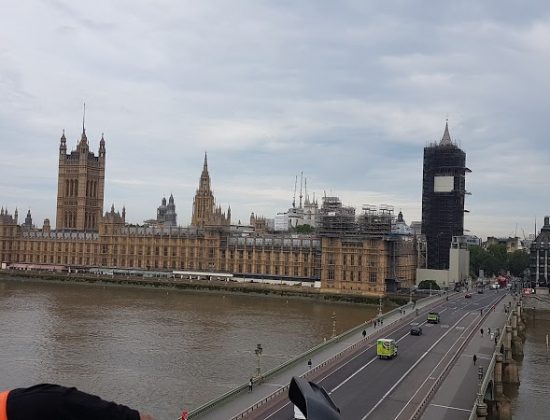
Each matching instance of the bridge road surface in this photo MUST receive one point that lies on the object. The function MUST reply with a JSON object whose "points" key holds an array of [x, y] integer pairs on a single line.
{"points": [[234, 407], [367, 387], [455, 397]]}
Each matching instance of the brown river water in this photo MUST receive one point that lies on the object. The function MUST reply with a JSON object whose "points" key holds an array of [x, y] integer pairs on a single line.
{"points": [[155, 350]]}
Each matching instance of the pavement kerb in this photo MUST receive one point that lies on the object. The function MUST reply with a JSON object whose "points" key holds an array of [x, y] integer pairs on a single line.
{"points": [[428, 302]]}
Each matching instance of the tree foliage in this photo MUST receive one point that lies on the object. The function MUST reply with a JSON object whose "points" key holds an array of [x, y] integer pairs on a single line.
{"points": [[495, 260], [305, 229], [428, 284]]}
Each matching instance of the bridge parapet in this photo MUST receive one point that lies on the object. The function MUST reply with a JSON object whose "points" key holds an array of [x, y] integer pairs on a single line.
{"points": [[502, 369]]}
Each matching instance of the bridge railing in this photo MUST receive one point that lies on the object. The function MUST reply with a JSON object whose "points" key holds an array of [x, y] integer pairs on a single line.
{"points": [[301, 359]]}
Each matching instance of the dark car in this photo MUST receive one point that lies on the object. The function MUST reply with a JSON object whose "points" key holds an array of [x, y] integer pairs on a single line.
{"points": [[468, 295], [416, 331]]}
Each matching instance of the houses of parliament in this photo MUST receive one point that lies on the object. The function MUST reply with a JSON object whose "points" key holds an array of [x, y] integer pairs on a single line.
{"points": [[346, 254]]}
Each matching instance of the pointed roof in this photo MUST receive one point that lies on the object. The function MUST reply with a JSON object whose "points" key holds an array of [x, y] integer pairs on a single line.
{"points": [[446, 139], [84, 139]]}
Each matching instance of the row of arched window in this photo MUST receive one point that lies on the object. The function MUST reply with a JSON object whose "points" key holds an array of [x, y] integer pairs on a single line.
{"points": [[90, 220], [71, 188]]}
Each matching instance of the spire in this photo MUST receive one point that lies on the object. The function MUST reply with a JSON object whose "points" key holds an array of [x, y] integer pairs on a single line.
{"points": [[294, 196], [301, 185], [204, 184], [446, 139], [63, 143], [102, 146], [84, 139]]}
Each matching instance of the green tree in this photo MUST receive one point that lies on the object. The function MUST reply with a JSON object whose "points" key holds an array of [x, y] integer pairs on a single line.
{"points": [[428, 284], [518, 261], [305, 229], [477, 257]]}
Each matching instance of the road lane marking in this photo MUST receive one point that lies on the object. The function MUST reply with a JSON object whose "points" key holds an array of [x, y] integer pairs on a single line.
{"points": [[367, 364], [433, 370], [411, 368], [424, 323], [347, 379], [451, 408]]}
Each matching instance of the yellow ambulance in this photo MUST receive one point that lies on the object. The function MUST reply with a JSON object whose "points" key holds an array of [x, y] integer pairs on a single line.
{"points": [[386, 348]]}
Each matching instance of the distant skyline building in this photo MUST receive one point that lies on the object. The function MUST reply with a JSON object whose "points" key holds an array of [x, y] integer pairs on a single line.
{"points": [[443, 193], [166, 213], [539, 256], [305, 213]]}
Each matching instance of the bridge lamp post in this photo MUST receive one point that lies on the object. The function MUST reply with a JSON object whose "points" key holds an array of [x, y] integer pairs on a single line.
{"points": [[259, 350], [380, 306]]}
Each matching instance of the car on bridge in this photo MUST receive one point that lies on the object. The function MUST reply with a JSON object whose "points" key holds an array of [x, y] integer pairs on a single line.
{"points": [[433, 318], [386, 348], [416, 331], [468, 295]]}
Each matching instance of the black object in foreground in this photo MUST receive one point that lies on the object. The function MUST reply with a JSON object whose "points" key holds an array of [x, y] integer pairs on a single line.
{"points": [[312, 400]]}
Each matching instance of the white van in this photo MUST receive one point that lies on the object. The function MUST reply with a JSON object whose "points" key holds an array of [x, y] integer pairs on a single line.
{"points": [[298, 414]]}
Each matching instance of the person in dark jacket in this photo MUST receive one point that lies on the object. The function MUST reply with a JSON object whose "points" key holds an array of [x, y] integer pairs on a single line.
{"points": [[56, 402]]}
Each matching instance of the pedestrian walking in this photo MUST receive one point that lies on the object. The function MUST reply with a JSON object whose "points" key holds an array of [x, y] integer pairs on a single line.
{"points": [[309, 364], [489, 330], [494, 308], [364, 333], [475, 359], [481, 331], [481, 311], [496, 340], [250, 383]]}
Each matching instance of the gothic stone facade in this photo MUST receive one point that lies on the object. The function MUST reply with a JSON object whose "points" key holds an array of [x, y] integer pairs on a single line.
{"points": [[341, 264], [80, 187]]}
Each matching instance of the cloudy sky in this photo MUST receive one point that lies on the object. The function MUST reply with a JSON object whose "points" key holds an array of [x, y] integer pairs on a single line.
{"points": [[349, 92]]}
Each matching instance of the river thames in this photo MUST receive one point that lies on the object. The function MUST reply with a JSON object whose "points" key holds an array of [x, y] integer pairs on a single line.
{"points": [[155, 350]]}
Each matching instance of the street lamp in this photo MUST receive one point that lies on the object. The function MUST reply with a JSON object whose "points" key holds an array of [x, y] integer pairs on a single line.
{"points": [[379, 306], [259, 350]]}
